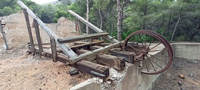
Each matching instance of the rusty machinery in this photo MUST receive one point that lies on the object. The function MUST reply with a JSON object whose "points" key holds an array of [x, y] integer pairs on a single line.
{"points": [[96, 57]]}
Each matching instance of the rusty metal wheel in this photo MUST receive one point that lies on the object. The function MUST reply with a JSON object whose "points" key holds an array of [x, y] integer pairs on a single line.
{"points": [[151, 49]]}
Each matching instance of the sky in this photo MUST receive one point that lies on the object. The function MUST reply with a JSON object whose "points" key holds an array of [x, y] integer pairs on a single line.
{"points": [[43, 1]]}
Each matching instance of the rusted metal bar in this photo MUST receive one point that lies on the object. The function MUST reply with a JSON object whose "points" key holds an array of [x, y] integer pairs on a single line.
{"points": [[81, 37], [53, 49], [29, 31], [63, 47], [3, 34], [38, 37], [109, 38]]}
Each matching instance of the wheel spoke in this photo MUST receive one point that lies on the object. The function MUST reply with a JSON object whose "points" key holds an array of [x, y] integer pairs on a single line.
{"points": [[158, 59], [134, 48], [146, 66], [155, 63], [151, 63], [155, 46], [150, 44]]}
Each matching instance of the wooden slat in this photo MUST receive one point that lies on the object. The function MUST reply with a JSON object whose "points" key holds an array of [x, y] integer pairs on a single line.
{"points": [[111, 39], [53, 49], [81, 37], [38, 37], [64, 47]]}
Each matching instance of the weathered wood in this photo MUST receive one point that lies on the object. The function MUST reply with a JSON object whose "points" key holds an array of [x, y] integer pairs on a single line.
{"points": [[90, 58], [93, 68], [109, 38], [94, 52], [108, 60], [111, 61], [4, 36], [29, 31], [95, 47], [64, 47], [53, 49], [127, 55], [85, 45], [81, 37], [38, 37]]}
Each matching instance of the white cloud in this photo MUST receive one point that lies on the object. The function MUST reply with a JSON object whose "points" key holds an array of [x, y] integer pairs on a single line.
{"points": [[43, 1]]}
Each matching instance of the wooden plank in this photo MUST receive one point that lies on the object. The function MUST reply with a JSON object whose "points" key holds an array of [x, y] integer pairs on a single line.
{"points": [[94, 52], [109, 38], [90, 58], [53, 49], [38, 37], [95, 47], [85, 45], [29, 31], [111, 61], [63, 47], [81, 37], [93, 68]]}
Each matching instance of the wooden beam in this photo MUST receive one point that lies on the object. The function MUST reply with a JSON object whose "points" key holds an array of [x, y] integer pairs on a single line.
{"points": [[127, 55], [38, 36], [81, 37], [93, 68], [82, 51], [53, 49], [29, 31], [94, 52], [63, 47], [109, 38], [111, 61]]}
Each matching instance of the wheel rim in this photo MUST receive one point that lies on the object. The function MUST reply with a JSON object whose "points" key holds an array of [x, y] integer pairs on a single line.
{"points": [[145, 43]]}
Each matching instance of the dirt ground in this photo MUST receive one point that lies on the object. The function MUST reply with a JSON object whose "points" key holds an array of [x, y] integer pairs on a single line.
{"points": [[188, 69], [19, 71]]}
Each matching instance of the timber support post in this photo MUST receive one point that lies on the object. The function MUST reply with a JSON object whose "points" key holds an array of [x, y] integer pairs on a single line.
{"points": [[32, 47], [53, 49], [3, 34], [38, 36]]}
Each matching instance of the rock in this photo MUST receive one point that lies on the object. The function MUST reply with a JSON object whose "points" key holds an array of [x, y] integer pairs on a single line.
{"points": [[73, 71], [179, 83], [181, 76]]}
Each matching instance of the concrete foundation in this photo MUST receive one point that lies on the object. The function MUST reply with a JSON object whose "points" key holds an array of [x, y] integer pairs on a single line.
{"points": [[129, 79], [187, 50]]}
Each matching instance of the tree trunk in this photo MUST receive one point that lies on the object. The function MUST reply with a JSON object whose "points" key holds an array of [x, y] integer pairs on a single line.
{"points": [[119, 23], [175, 29], [101, 19], [87, 16], [168, 26]]}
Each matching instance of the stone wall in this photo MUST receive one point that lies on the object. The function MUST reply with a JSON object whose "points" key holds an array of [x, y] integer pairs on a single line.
{"points": [[17, 34]]}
